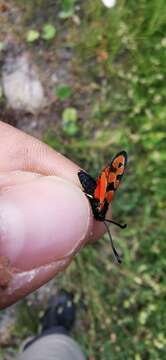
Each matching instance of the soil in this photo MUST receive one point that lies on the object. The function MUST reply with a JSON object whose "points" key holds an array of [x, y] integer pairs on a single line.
{"points": [[55, 62]]}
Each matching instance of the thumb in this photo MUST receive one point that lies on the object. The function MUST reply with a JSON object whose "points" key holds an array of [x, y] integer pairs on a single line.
{"points": [[44, 220]]}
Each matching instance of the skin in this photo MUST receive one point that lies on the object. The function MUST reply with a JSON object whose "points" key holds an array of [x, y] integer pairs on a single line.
{"points": [[45, 218]]}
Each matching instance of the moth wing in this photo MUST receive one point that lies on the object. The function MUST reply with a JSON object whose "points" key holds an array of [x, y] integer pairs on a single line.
{"points": [[120, 157], [87, 182], [116, 171], [108, 181]]}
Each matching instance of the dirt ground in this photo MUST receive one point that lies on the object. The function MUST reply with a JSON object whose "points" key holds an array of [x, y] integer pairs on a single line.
{"points": [[54, 63]]}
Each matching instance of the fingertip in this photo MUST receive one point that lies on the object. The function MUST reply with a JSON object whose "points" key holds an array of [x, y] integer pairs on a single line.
{"points": [[52, 220]]}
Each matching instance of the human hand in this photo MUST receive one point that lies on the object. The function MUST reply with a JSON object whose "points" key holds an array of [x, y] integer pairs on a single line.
{"points": [[45, 217]]}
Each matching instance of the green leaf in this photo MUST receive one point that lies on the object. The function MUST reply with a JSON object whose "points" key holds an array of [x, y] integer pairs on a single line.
{"points": [[32, 36], [67, 9], [69, 115], [71, 129], [66, 14], [69, 118], [49, 32], [143, 317], [63, 91]]}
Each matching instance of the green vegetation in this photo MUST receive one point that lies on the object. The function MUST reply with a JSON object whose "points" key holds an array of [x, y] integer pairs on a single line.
{"points": [[121, 52], [63, 91], [32, 36], [69, 121], [48, 33], [67, 9], [120, 60]]}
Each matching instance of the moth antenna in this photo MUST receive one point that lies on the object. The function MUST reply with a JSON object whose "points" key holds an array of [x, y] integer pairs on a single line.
{"points": [[117, 256], [122, 226]]}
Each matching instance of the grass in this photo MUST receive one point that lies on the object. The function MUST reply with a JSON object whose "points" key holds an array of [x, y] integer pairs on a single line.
{"points": [[120, 57], [124, 316]]}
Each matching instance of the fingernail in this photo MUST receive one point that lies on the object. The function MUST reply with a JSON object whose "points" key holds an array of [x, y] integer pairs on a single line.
{"points": [[42, 221]]}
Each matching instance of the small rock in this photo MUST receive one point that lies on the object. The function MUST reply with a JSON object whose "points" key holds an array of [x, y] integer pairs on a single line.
{"points": [[54, 78], [22, 87]]}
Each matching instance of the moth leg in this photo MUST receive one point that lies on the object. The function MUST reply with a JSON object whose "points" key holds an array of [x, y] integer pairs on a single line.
{"points": [[122, 226], [117, 256]]}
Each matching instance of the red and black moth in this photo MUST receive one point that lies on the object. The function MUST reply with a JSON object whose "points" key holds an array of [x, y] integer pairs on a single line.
{"points": [[100, 192]]}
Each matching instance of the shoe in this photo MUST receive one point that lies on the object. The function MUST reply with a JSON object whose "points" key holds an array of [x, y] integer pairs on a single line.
{"points": [[61, 313]]}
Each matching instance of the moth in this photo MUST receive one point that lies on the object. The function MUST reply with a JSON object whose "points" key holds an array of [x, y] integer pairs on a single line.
{"points": [[101, 191]]}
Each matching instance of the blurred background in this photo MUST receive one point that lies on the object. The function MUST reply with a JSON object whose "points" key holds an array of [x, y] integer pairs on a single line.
{"points": [[90, 81]]}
